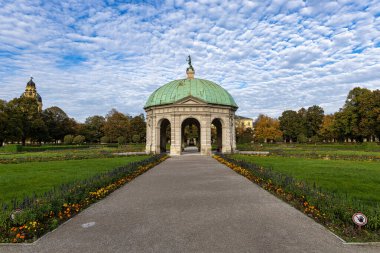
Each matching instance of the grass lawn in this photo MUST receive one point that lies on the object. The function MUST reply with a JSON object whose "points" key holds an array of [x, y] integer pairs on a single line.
{"points": [[19, 180], [366, 147], [357, 179]]}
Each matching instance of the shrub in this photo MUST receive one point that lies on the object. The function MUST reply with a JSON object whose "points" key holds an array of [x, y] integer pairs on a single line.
{"points": [[314, 139], [136, 138], [121, 140], [301, 138], [105, 139], [79, 139], [68, 139], [11, 148]]}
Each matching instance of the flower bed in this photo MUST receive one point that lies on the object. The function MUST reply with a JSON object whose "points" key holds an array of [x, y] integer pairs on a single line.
{"points": [[333, 211], [314, 155], [26, 221], [71, 156]]}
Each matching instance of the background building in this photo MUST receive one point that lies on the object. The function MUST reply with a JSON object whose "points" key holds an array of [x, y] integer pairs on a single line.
{"points": [[243, 122], [31, 92]]}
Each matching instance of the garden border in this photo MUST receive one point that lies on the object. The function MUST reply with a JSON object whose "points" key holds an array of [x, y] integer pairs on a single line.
{"points": [[91, 191], [296, 200]]}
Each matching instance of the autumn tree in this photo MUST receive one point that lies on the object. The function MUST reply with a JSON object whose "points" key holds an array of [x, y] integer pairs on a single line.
{"points": [[327, 130], [117, 124], [267, 129]]}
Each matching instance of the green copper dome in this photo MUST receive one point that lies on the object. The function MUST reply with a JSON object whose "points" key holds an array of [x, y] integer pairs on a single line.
{"points": [[205, 90]]}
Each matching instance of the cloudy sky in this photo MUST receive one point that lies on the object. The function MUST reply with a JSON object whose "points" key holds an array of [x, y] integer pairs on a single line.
{"points": [[90, 56]]}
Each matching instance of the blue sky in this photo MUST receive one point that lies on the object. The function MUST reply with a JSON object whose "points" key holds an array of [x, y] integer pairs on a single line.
{"points": [[88, 57]]}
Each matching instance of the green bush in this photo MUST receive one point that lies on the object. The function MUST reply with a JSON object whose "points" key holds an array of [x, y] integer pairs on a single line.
{"points": [[301, 138], [51, 147], [314, 139], [136, 138], [121, 140], [11, 148], [79, 139], [68, 139], [105, 139]]}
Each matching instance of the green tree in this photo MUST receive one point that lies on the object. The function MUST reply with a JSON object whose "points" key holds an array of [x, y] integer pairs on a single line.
{"points": [[39, 131], [358, 117], [58, 123], [94, 128], [291, 125], [3, 121], [138, 127], [314, 119], [117, 124], [303, 121], [376, 112], [21, 114]]}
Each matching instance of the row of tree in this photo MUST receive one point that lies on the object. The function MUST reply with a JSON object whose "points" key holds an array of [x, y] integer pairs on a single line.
{"points": [[21, 121], [358, 120]]}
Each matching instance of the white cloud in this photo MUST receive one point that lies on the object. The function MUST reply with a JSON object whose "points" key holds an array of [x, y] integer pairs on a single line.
{"points": [[88, 57]]}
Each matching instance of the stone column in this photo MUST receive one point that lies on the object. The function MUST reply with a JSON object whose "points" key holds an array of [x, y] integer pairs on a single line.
{"points": [[156, 136], [227, 148], [175, 147], [148, 147], [205, 135], [233, 133]]}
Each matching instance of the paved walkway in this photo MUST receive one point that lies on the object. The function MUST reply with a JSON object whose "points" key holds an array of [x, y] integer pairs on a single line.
{"points": [[190, 204]]}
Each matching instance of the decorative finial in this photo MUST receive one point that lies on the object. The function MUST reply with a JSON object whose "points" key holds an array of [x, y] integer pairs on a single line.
{"points": [[31, 78], [190, 70], [189, 60]]}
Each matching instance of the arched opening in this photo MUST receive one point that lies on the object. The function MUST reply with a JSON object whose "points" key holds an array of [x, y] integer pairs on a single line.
{"points": [[190, 136], [216, 135], [165, 136]]}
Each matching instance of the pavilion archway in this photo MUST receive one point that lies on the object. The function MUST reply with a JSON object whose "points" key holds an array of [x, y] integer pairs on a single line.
{"points": [[191, 135], [164, 130], [217, 135]]}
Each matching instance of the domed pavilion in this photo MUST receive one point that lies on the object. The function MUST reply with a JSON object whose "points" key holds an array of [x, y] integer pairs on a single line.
{"points": [[190, 112]]}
